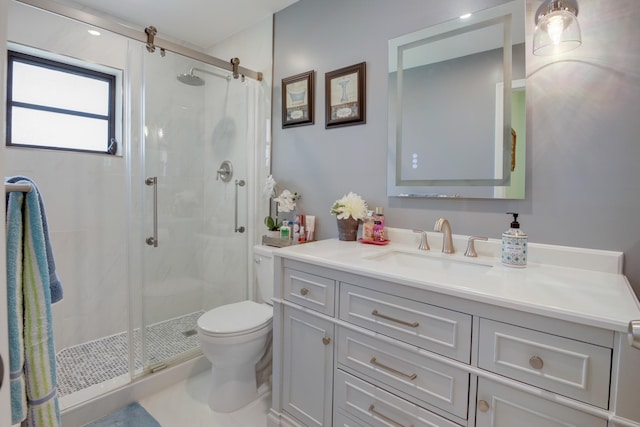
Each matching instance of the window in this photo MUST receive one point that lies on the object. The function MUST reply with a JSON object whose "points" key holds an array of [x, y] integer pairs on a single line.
{"points": [[55, 105]]}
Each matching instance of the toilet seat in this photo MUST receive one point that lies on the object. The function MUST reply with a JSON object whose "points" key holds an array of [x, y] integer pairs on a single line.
{"points": [[239, 318]]}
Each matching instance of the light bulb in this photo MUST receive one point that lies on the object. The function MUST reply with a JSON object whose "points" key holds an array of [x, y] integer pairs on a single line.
{"points": [[555, 27]]}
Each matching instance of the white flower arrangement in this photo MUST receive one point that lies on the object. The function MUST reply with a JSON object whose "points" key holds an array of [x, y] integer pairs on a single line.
{"points": [[350, 205], [269, 189], [285, 202]]}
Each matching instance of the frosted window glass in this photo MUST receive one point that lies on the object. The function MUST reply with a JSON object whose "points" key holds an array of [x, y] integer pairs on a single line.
{"points": [[58, 130], [52, 88], [58, 105]]}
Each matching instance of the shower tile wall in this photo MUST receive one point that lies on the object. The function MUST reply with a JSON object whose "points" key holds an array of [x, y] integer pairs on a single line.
{"points": [[86, 216], [84, 195]]}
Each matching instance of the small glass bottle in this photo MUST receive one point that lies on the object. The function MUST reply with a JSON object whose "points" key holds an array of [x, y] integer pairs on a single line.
{"points": [[367, 227], [378, 226]]}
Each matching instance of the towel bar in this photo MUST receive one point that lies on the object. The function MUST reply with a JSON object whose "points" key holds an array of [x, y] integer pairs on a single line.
{"points": [[23, 188]]}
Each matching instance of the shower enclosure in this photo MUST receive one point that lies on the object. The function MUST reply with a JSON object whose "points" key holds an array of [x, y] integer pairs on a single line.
{"points": [[148, 239], [194, 256]]}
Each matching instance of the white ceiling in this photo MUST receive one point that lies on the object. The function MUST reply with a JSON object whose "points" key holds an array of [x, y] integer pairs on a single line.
{"points": [[197, 23]]}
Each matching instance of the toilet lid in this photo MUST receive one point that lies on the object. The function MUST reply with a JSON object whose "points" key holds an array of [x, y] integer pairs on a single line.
{"points": [[239, 317]]}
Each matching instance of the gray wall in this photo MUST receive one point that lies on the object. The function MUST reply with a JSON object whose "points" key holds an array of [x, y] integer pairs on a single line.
{"points": [[583, 118]]}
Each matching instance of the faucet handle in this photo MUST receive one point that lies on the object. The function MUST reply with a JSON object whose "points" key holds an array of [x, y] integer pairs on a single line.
{"points": [[424, 243], [471, 249]]}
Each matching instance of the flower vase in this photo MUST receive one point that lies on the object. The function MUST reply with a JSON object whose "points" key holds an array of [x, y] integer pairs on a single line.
{"points": [[348, 229], [275, 234]]}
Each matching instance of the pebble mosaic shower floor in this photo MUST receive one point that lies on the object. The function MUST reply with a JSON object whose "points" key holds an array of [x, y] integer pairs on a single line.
{"points": [[91, 363]]}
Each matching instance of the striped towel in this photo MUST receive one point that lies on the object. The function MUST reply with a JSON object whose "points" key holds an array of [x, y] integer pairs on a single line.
{"points": [[54, 282], [31, 349]]}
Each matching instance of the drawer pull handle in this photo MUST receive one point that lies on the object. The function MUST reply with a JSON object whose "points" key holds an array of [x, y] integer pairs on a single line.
{"points": [[536, 362], [402, 322], [373, 410], [326, 340], [304, 291], [375, 362], [483, 406]]}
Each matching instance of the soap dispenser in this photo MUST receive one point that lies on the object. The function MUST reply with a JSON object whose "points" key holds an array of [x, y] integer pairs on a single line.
{"points": [[514, 244]]}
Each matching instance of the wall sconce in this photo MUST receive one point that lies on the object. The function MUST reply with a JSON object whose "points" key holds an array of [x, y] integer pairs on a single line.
{"points": [[557, 28]]}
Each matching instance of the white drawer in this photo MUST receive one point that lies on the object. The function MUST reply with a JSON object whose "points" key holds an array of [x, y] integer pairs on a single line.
{"points": [[309, 290], [341, 420], [417, 375], [501, 406], [572, 368], [436, 329], [376, 407]]}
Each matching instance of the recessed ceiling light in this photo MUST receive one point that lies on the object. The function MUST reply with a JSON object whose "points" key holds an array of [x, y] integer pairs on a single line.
{"points": [[94, 32], [465, 16]]}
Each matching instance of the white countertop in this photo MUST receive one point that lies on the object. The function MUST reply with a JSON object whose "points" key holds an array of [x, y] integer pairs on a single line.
{"points": [[591, 291]]}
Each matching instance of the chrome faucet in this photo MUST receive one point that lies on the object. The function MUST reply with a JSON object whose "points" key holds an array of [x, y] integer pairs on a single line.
{"points": [[442, 225]]}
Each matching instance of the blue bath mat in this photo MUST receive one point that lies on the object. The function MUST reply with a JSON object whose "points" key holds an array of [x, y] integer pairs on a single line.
{"points": [[133, 415]]}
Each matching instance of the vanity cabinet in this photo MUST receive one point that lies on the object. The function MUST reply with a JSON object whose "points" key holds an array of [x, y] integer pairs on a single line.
{"points": [[356, 349], [308, 361]]}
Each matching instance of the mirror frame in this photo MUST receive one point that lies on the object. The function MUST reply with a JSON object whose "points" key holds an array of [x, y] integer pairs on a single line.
{"points": [[457, 188]]}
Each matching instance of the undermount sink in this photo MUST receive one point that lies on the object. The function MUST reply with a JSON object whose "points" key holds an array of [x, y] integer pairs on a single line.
{"points": [[425, 262]]}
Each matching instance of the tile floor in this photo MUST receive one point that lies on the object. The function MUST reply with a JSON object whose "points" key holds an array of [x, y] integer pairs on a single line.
{"points": [[185, 404], [104, 359]]}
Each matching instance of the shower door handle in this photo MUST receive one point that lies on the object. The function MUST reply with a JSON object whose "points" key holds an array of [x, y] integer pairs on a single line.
{"points": [[238, 229], [153, 240]]}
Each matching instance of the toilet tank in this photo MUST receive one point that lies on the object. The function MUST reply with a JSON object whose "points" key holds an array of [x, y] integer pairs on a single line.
{"points": [[263, 258]]}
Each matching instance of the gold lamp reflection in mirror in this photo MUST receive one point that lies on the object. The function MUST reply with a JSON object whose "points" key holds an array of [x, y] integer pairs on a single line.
{"points": [[557, 28]]}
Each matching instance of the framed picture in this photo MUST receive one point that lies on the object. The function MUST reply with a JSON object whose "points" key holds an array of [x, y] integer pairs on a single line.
{"points": [[297, 100], [345, 96]]}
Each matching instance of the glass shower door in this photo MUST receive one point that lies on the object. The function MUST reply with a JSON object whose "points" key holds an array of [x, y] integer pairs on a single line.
{"points": [[194, 257]]}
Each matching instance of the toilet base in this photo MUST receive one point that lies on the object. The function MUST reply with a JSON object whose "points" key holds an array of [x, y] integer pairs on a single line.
{"points": [[232, 387]]}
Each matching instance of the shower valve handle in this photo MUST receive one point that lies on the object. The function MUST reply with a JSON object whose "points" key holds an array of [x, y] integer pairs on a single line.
{"points": [[225, 172]]}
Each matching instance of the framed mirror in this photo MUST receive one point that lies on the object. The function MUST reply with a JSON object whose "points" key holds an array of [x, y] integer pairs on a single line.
{"points": [[455, 128]]}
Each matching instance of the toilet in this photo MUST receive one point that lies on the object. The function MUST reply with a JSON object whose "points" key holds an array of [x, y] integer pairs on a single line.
{"points": [[234, 337]]}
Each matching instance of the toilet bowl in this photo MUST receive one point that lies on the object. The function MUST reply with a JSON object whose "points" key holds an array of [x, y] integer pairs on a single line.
{"points": [[234, 337]]}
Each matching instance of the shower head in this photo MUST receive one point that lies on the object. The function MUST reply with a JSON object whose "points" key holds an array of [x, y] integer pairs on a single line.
{"points": [[190, 79]]}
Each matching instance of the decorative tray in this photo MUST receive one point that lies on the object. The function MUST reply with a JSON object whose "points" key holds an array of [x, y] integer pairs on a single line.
{"points": [[279, 243], [373, 242]]}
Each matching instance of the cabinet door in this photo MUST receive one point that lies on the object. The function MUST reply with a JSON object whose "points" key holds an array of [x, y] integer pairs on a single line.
{"points": [[502, 406], [308, 367]]}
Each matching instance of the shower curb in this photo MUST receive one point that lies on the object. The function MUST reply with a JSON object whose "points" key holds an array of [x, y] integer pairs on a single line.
{"points": [[112, 401]]}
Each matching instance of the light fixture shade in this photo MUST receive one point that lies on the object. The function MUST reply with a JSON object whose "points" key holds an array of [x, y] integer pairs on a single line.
{"points": [[557, 31]]}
